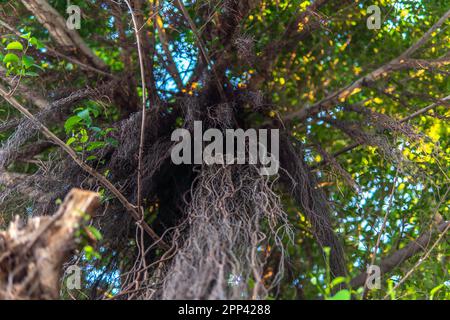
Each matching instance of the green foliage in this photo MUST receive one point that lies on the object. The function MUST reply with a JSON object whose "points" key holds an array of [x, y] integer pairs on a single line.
{"points": [[83, 135], [341, 295], [86, 236], [17, 61], [15, 45], [90, 253]]}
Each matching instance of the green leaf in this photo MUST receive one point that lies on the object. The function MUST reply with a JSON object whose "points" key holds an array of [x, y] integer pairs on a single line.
{"points": [[11, 57], [27, 61], [108, 130], [112, 142], [434, 290], [78, 109], [90, 252], [95, 145], [84, 114], [91, 158], [95, 110], [84, 136], [31, 74], [26, 35], [95, 232], [71, 140], [88, 249], [36, 43], [337, 281], [341, 295], [15, 45], [38, 66], [71, 123]]}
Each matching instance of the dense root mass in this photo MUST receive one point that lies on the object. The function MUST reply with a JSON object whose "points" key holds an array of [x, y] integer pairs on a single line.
{"points": [[234, 223], [313, 203]]}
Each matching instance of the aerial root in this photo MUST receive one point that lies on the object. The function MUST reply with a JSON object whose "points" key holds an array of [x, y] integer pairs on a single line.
{"points": [[234, 221]]}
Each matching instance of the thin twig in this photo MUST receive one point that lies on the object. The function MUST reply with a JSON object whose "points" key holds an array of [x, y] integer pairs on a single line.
{"points": [[421, 260], [144, 99], [383, 226], [201, 46]]}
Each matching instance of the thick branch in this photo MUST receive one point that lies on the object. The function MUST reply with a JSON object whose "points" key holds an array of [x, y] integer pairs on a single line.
{"points": [[55, 24], [405, 119], [398, 257], [399, 63]]}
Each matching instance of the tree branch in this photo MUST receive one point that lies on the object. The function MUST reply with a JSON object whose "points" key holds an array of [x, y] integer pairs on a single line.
{"points": [[171, 66], [398, 257], [340, 95], [36, 99], [56, 25], [405, 119]]}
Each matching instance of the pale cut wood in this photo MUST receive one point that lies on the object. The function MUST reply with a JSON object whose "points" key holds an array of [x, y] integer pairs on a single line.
{"points": [[32, 254]]}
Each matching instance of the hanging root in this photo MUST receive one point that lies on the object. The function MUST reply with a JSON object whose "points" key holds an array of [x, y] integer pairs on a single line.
{"points": [[386, 148], [312, 201], [11, 147], [338, 168], [234, 222], [384, 122]]}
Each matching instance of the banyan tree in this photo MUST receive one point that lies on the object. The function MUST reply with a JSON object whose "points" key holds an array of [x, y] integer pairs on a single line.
{"points": [[91, 92]]}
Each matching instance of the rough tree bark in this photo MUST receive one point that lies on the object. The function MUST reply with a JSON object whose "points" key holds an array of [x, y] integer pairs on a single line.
{"points": [[70, 40], [32, 254]]}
